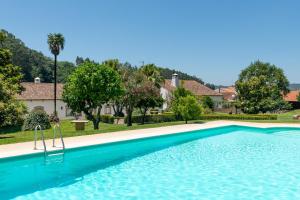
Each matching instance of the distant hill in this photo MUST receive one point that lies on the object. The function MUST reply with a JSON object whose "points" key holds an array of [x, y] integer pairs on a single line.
{"points": [[36, 64], [167, 74], [294, 86]]}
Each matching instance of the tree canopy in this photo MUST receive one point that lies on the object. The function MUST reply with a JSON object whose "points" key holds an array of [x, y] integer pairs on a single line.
{"points": [[261, 87], [11, 110], [89, 87], [189, 108]]}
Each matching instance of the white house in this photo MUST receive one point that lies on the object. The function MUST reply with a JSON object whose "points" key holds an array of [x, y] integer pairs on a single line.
{"points": [[196, 88], [40, 95]]}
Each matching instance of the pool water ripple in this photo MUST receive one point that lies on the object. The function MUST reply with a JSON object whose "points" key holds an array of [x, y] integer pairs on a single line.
{"points": [[239, 165]]}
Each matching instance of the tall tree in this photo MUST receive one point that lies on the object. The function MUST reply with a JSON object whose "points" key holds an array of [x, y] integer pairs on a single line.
{"points": [[11, 110], [89, 87], [189, 108], [153, 74], [56, 42], [132, 80], [147, 96], [260, 88]]}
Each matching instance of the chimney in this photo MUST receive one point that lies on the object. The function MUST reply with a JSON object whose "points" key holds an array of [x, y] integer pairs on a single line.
{"points": [[37, 80], [175, 80]]}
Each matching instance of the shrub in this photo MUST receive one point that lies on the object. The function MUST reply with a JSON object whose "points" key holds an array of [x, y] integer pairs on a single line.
{"points": [[37, 117], [107, 119]]}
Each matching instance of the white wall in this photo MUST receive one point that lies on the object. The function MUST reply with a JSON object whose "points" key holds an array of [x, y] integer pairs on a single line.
{"points": [[218, 100], [48, 106]]}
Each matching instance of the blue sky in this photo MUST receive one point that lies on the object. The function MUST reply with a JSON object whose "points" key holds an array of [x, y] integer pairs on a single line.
{"points": [[211, 39]]}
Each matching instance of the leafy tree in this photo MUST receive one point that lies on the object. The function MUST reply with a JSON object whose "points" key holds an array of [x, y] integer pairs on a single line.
{"points": [[64, 69], [89, 87], [148, 96], [56, 42], [189, 108], [79, 60], [260, 88], [11, 110], [298, 97], [133, 81], [207, 102], [176, 95], [153, 74]]}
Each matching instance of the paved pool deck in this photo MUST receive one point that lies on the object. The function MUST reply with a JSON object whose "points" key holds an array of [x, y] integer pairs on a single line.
{"points": [[17, 149]]}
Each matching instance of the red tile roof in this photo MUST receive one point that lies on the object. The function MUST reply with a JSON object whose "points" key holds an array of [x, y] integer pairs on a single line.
{"points": [[229, 93], [193, 86], [292, 95], [40, 91]]}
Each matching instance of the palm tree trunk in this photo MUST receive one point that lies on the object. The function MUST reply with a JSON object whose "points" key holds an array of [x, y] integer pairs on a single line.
{"points": [[55, 57]]}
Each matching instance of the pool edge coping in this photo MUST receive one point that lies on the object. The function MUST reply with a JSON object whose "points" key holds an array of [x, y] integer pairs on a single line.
{"points": [[26, 148]]}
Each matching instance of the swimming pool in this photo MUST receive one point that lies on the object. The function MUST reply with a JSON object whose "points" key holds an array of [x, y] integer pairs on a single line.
{"points": [[231, 162]]}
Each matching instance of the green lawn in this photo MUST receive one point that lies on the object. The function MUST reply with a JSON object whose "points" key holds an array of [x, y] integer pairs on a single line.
{"points": [[282, 118], [15, 135]]}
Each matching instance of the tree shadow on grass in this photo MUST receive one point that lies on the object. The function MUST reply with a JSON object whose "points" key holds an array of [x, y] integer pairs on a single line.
{"points": [[10, 130], [5, 137]]}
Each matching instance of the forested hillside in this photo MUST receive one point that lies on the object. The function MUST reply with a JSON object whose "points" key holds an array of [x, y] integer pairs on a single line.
{"points": [[35, 64]]}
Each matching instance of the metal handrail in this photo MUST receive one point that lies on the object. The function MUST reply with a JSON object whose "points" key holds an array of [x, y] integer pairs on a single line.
{"points": [[55, 128], [42, 135]]}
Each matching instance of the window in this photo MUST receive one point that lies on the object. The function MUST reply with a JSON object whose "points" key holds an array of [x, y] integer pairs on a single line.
{"points": [[38, 108]]}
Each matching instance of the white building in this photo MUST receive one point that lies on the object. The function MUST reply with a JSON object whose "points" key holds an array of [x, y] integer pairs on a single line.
{"points": [[40, 95], [193, 86]]}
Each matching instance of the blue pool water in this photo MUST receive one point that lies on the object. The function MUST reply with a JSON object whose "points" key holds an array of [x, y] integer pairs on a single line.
{"points": [[224, 163]]}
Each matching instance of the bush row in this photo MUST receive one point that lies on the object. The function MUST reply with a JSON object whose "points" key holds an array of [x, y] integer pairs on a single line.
{"points": [[169, 117], [238, 117]]}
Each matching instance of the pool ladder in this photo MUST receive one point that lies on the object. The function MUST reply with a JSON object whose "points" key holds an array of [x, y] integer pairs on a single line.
{"points": [[56, 129]]}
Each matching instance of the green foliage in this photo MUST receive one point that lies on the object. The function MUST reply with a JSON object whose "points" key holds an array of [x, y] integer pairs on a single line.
{"points": [[153, 118], [89, 87], [260, 87], [298, 97], [176, 95], [189, 108], [11, 110], [33, 63], [153, 74], [37, 117], [132, 80], [167, 73], [56, 42], [107, 119], [237, 117], [207, 102], [147, 96]]}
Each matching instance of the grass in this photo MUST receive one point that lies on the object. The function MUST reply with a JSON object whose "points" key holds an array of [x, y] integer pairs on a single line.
{"points": [[282, 118], [14, 135]]}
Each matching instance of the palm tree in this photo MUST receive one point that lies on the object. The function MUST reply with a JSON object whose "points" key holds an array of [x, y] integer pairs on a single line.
{"points": [[56, 43]]}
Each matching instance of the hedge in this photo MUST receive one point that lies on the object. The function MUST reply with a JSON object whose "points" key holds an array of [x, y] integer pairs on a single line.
{"points": [[153, 118], [170, 117], [109, 119], [238, 117]]}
